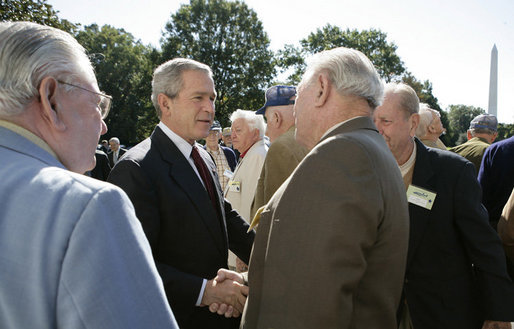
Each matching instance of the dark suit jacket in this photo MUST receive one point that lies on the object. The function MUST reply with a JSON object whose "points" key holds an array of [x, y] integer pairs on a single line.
{"points": [[110, 155], [102, 168], [496, 177], [189, 242], [456, 275], [331, 245], [231, 157]]}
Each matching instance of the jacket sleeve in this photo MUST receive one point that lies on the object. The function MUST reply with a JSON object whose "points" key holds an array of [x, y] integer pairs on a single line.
{"points": [[108, 277], [183, 288], [483, 247]]}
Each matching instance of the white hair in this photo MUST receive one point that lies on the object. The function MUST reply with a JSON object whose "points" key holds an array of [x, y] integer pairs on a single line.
{"points": [[350, 71], [115, 140], [426, 117], [253, 120], [30, 52]]}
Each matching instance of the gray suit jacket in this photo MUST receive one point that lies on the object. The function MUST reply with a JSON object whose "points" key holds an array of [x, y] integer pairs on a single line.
{"points": [[331, 246], [72, 252]]}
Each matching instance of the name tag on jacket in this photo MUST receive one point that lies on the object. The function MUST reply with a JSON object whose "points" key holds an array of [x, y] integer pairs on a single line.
{"points": [[420, 197]]}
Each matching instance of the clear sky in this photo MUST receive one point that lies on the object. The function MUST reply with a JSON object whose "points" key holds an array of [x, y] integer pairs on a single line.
{"points": [[448, 42]]}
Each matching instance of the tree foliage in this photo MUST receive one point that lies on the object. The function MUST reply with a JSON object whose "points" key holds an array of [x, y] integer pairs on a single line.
{"points": [[373, 43], [505, 130], [227, 36], [460, 116], [37, 11], [123, 69]]}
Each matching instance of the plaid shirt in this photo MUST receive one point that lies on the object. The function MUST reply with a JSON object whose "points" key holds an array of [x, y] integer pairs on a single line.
{"points": [[221, 164]]}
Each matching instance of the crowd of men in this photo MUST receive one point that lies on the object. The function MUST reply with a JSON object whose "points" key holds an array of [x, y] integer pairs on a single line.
{"points": [[337, 215]]}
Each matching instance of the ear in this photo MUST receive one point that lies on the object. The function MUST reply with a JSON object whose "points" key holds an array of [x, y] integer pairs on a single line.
{"points": [[164, 103], [49, 99], [323, 89], [494, 137], [469, 135], [277, 118], [414, 119]]}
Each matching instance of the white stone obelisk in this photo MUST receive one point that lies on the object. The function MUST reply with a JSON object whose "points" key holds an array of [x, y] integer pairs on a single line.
{"points": [[493, 84]]}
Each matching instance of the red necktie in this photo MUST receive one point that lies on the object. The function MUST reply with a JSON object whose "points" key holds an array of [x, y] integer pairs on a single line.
{"points": [[206, 177]]}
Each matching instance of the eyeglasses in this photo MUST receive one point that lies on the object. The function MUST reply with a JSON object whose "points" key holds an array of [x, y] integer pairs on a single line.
{"points": [[105, 100]]}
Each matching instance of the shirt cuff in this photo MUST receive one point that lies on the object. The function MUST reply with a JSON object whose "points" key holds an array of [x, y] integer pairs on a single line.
{"points": [[200, 296]]}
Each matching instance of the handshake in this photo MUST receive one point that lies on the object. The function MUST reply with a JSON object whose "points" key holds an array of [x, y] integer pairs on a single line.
{"points": [[226, 294]]}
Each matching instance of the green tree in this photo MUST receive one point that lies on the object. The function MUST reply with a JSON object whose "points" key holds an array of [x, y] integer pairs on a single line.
{"points": [[373, 43], [38, 11], [460, 116], [227, 36], [123, 69], [505, 130]]}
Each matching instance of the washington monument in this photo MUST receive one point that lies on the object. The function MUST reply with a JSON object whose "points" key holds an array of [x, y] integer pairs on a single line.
{"points": [[493, 84]]}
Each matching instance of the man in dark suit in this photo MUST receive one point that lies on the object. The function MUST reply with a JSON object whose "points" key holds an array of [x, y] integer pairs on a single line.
{"points": [[175, 190], [456, 275], [116, 151], [102, 169]]}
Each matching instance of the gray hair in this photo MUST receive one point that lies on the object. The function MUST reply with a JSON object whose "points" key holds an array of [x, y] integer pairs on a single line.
{"points": [[115, 140], [30, 52], [475, 131], [253, 120], [409, 101], [425, 119], [351, 72], [167, 78]]}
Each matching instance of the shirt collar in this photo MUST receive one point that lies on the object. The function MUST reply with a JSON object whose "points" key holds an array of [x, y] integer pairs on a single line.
{"points": [[28, 135], [184, 147]]}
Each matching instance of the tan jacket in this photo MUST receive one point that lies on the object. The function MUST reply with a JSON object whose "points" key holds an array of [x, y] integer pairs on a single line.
{"points": [[283, 156], [246, 176], [331, 246]]}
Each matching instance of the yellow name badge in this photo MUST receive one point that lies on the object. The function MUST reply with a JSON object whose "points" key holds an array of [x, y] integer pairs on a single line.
{"points": [[420, 197], [234, 186]]}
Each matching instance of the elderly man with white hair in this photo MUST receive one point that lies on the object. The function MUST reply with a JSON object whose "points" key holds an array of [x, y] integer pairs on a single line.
{"points": [[72, 252], [331, 246], [430, 127], [248, 131]]}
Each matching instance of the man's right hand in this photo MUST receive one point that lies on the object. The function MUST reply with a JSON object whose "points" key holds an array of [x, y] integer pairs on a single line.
{"points": [[226, 288], [222, 308]]}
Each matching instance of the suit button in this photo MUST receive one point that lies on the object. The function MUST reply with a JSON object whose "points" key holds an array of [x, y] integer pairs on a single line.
{"points": [[406, 281]]}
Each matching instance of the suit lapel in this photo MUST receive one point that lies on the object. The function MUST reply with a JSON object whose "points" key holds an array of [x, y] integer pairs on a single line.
{"points": [[183, 174], [419, 217]]}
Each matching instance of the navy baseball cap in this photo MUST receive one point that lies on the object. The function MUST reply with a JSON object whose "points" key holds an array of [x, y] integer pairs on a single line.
{"points": [[278, 96], [216, 126], [484, 121]]}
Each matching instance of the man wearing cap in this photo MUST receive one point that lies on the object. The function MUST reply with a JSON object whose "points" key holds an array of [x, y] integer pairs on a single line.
{"points": [[430, 127], [284, 153], [224, 157], [226, 137], [481, 133]]}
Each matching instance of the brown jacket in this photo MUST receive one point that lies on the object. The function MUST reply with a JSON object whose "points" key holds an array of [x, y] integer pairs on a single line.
{"points": [[283, 156], [331, 248]]}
